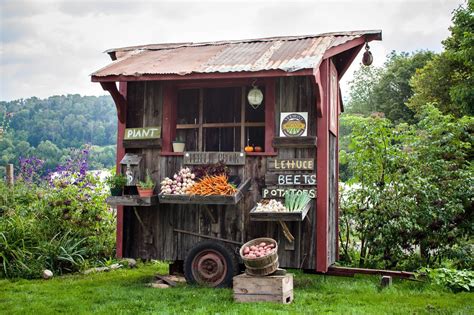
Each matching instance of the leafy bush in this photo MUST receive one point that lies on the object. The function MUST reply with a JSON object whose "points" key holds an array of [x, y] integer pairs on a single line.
{"points": [[411, 192], [61, 223], [456, 280]]}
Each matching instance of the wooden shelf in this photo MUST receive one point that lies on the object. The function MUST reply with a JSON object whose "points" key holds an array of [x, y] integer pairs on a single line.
{"points": [[207, 200], [261, 154], [294, 142], [138, 144], [172, 153], [280, 216], [132, 200]]}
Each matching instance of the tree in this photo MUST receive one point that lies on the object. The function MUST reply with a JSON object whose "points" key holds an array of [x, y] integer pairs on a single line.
{"points": [[448, 80], [412, 186], [387, 89], [393, 89], [362, 89]]}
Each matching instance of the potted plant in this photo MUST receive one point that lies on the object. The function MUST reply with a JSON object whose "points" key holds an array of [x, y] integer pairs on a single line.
{"points": [[178, 145], [116, 183], [145, 189]]}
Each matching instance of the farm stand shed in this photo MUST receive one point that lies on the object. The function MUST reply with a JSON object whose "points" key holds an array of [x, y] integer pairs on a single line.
{"points": [[197, 92]]}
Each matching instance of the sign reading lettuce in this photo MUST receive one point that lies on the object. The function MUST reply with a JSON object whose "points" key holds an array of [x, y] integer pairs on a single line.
{"points": [[294, 124], [142, 133]]}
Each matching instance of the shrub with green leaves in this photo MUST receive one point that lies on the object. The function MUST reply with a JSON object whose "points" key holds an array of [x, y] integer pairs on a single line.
{"points": [[62, 223], [456, 280], [411, 191]]}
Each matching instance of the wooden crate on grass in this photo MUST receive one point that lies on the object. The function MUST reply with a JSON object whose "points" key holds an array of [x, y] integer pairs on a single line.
{"points": [[263, 289]]}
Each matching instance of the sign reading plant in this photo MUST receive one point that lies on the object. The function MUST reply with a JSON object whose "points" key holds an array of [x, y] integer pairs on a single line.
{"points": [[142, 133]]}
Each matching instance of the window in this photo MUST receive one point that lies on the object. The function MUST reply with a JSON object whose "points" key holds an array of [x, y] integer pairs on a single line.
{"points": [[219, 119]]}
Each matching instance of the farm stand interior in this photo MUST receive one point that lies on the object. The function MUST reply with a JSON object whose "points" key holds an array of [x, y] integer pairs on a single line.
{"points": [[197, 93]]}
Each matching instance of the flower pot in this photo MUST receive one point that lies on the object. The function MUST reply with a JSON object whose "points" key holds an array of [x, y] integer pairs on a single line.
{"points": [[116, 191], [145, 192], [178, 146]]}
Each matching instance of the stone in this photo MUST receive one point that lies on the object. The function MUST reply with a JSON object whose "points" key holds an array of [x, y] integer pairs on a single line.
{"points": [[131, 263], [97, 269], [159, 285], [176, 278], [47, 274], [115, 266]]}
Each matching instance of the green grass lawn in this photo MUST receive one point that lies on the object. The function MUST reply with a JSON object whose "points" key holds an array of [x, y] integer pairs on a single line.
{"points": [[125, 291]]}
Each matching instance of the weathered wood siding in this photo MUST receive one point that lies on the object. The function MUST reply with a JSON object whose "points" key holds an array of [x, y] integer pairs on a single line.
{"points": [[333, 181], [154, 235]]}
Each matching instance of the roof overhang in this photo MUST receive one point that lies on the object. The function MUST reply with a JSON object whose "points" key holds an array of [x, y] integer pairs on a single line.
{"points": [[294, 56]]}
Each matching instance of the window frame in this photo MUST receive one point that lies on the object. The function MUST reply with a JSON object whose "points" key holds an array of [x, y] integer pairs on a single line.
{"points": [[170, 105]]}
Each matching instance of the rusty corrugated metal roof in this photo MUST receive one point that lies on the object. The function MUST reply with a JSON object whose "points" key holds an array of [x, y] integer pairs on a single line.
{"points": [[276, 53]]}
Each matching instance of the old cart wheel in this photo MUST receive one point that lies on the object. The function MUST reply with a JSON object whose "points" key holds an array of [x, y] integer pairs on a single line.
{"points": [[210, 263]]}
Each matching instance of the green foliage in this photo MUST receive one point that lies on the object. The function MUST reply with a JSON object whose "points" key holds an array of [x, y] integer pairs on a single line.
{"points": [[362, 89], [50, 128], [148, 183], [456, 280], [447, 80], [56, 227], [116, 181], [411, 190], [125, 291], [387, 89]]}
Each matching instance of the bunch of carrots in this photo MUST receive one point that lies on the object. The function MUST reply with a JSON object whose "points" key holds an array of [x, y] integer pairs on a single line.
{"points": [[212, 185]]}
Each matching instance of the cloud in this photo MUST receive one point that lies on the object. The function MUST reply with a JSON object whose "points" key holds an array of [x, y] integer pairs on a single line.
{"points": [[51, 47]]}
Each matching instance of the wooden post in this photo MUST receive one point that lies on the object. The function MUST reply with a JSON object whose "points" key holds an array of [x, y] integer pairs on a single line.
{"points": [[10, 175], [386, 281]]}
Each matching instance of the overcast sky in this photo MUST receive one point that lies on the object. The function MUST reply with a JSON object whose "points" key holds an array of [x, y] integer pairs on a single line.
{"points": [[51, 47]]}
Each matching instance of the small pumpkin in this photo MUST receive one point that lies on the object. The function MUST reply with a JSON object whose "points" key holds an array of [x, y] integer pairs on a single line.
{"points": [[258, 149], [248, 148]]}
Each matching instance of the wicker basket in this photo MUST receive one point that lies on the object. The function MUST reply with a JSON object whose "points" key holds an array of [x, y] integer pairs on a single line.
{"points": [[260, 266]]}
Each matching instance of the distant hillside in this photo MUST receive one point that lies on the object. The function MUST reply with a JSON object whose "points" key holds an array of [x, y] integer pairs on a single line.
{"points": [[49, 128]]}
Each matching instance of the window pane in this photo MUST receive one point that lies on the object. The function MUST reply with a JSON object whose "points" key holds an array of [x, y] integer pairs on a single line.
{"points": [[222, 105], [222, 139], [255, 136], [190, 138], [188, 106]]}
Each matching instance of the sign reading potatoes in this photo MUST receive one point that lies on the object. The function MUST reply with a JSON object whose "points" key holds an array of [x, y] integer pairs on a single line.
{"points": [[294, 124], [142, 133]]}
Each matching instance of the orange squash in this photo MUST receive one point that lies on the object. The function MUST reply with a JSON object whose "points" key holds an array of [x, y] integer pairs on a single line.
{"points": [[248, 148]]}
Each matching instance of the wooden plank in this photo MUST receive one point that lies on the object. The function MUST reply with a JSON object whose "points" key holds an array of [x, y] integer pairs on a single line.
{"points": [[280, 216], [10, 175], [294, 142], [263, 289], [269, 114], [142, 144], [209, 237], [142, 133], [119, 237], [201, 119], [352, 271], [272, 179], [290, 164], [322, 156], [203, 76], [133, 200], [200, 158]]}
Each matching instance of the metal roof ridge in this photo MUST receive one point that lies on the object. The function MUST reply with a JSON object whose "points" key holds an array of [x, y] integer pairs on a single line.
{"points": [[164, 46]]}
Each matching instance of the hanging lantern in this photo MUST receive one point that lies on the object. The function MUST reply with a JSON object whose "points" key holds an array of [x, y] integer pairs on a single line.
{"points": [[367, 58], [255, 96]]}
